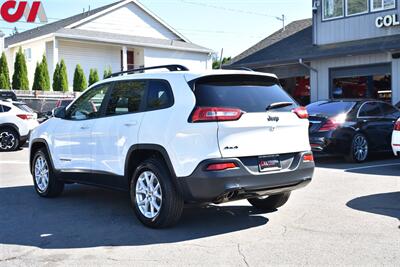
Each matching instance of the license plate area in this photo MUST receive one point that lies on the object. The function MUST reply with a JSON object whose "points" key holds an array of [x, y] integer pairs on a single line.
{"points": [[269, 163]]}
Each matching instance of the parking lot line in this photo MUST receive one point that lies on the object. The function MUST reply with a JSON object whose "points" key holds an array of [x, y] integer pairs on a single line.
{"points": [[371, 166], [14, 162]]}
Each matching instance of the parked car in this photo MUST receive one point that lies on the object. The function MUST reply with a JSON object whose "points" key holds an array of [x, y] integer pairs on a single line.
{"points": [[63, 102], [17, 120], [178, 137], [8, 95], [396, 139], [352, 128]]}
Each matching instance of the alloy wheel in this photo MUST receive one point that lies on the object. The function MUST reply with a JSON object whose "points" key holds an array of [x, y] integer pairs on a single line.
{"points": [[360, 148], [7, 141], [41, 174], [148, 194]]}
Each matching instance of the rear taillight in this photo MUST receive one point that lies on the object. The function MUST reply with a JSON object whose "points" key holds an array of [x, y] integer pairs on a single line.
{"points": [[221, 166], [58, 103], [397, 126], [204, 114], [333, 123], [25, 116], [301, 112], [308, 157]]}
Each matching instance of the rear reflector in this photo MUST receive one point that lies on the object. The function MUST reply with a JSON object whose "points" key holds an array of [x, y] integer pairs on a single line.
{"points": [[301, 112], [25, 116], [221, 166], [397, 126], [204, 114], [308, 158]]}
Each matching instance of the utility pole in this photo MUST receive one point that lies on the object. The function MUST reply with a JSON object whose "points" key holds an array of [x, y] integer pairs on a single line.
{"points": [[222, 58]]}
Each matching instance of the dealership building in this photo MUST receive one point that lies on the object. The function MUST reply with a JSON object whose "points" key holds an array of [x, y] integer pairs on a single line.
{"points": [[349, 49]]}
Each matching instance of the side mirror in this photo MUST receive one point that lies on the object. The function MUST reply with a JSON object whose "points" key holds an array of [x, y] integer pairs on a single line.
{"points": [[60, 112]]}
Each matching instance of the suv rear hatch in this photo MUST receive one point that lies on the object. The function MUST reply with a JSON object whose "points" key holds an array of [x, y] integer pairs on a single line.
{"points": [[255, 115]]}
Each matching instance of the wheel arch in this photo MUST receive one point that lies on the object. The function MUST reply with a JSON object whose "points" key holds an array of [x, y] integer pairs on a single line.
{"points": [[10, 125], [137, 153], [35, 146]]}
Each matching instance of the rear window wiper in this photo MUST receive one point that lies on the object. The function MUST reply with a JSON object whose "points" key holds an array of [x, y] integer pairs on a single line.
{"points": [[279, 105]]}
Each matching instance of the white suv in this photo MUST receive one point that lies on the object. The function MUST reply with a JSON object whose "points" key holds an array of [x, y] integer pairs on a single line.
{"points": [[178, 137], [17, 120]]}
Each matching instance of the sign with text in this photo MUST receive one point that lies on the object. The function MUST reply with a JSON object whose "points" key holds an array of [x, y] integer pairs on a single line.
{"points": [[387, 21], [13, 11]]}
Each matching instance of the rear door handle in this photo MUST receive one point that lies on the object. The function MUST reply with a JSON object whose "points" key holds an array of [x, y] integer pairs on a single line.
{"points": [[85, 127], [130, 124]]}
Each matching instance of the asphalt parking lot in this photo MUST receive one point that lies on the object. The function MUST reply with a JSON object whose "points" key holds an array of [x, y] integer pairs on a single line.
{"points": [[349, 215]]}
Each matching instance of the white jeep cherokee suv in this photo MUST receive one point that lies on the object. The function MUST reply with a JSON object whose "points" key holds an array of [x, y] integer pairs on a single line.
{"points": [[178, 137]]}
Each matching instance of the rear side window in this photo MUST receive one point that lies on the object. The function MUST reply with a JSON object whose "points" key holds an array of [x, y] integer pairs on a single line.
{"points": [[159, 95], [389, 111], [126, 97], [370, 109], [24, 107], [249, 93], [329, 109], [5, 109]]}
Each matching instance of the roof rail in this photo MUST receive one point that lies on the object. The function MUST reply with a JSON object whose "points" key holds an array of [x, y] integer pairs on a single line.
{"points": [[236, 68], [174, 67]]}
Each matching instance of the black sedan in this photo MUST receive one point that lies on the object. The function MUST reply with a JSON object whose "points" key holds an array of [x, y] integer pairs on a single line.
{"points": [[351, 127]]}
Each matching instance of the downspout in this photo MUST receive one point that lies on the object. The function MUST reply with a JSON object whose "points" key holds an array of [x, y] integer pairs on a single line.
{"points": [[311, 69]]}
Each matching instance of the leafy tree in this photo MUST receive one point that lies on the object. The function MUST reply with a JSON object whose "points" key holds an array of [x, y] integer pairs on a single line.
{"points": [[107, 72], [20, 78], [63, 77], [4, 72], [217, 62], [45, 72], [56, 78], [93, 77], [80, 83], [39, 78]]}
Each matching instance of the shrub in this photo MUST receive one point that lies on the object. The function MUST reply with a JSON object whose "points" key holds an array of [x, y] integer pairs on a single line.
{"points": [[4, 73], [56, 78], [38, 79], [63, 77], [45, 72], [107, 72], [80, 83], [20, 77], [93, 77]]}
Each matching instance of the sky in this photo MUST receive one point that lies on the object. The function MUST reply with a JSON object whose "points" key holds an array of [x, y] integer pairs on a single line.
{"points": [[233, 25]]}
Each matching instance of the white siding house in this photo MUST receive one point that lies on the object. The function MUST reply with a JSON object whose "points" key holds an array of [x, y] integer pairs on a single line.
{"points": [[122, 35]]}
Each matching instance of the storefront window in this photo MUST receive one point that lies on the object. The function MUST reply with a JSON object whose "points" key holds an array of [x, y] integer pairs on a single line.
{"points": [[298, 88], [333, 9], [382, 4], [355, 7], [374, 86]]}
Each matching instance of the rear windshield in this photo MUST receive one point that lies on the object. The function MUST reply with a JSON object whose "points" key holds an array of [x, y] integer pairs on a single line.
{"points": [[249, 93], [329, 109], [24, 107]]}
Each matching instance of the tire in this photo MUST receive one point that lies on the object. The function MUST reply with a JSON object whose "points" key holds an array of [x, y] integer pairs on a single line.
{"points": [[45, 186], [9, 140], [359, 149], [270, 202], [156, 201]]}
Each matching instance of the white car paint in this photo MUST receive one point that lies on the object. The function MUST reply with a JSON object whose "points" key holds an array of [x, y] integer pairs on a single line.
{"points": [[396, 139], [10, 117], [102, 144]]}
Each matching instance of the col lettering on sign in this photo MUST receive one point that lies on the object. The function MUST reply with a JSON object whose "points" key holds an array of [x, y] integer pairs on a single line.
{"points": [[387, 21]]}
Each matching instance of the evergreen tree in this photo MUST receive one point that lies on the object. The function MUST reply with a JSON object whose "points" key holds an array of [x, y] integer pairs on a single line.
{"points": [[4, 71], [45, 72], [38, 78], [80, 83], [56, 78], [63, 77], [107, 72], [20, 78], [93, 77]]}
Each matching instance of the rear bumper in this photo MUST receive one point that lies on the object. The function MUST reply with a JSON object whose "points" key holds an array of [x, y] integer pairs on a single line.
{"points": [[329, 143], [243, 182]]}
